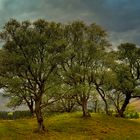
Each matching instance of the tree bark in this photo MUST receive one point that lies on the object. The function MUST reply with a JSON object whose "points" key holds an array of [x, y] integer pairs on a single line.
{"points": [[95, 106], [41, 127], [106, 106], [103, 96], [31, 110], [30, 104], [31, 107], [123, 108], [84, 108], [82, 101]]}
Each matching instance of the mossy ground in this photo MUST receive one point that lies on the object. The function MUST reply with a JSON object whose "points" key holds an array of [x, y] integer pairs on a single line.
{"points": [[71, 126]]}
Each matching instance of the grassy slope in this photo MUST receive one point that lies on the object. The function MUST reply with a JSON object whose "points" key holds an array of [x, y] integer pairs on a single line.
{"points": [[135, 104], [73, 127]]}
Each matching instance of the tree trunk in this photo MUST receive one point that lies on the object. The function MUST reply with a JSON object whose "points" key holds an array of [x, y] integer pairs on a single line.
{"points": [[31, 107], [106, 107], [41, 127], [82, 101], [126, 102], [103, 96], [31, 110], [95, 106], [84, 108], [30, 104]]}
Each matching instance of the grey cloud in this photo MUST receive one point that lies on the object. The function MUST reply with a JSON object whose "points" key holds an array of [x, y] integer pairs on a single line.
{"points": [[121, 18], [20, 9], [116, 15], [122, 37]]}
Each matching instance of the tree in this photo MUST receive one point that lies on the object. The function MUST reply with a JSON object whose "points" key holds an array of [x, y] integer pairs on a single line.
{"points": [[67, 101], [83, 42], [101, 75], [127, 70], [31, 55]]}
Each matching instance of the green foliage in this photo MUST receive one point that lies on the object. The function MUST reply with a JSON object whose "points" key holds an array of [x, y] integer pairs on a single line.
{"points": [[132, 115]]}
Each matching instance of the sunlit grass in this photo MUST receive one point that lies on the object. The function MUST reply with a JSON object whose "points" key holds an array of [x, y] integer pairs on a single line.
{"points": [[72, 127]]}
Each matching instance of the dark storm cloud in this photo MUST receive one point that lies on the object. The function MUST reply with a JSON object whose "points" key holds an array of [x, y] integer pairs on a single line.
{"points": [[121, 15], [13, 9], [121, 18], [117, 15]]}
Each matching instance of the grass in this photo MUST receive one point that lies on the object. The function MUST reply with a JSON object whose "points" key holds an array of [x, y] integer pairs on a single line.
{"points": [[72, 127]]}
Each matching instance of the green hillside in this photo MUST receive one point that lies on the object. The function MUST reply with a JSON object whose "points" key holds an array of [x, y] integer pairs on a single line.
{"points": [[72, 127]]}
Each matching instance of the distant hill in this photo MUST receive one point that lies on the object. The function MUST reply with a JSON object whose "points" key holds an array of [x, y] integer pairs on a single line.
{"points": [[135, 103]]}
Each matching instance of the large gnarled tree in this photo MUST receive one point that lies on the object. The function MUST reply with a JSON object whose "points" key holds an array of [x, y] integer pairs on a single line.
{"points": [[31, 54]]}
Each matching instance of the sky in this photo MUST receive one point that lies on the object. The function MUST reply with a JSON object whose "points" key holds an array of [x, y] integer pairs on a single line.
{"points": [[120, 18], [4, 101]]}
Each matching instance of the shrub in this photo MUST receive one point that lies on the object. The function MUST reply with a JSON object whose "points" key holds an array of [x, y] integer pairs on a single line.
{"points": [[132, 115]]}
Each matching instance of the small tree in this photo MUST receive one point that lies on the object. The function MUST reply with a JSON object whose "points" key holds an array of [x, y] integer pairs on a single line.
{"points": [[82, 44], [127, 70]]}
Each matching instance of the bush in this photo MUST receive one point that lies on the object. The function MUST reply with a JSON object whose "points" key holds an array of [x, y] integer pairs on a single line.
{"points": [[132, 115]]}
